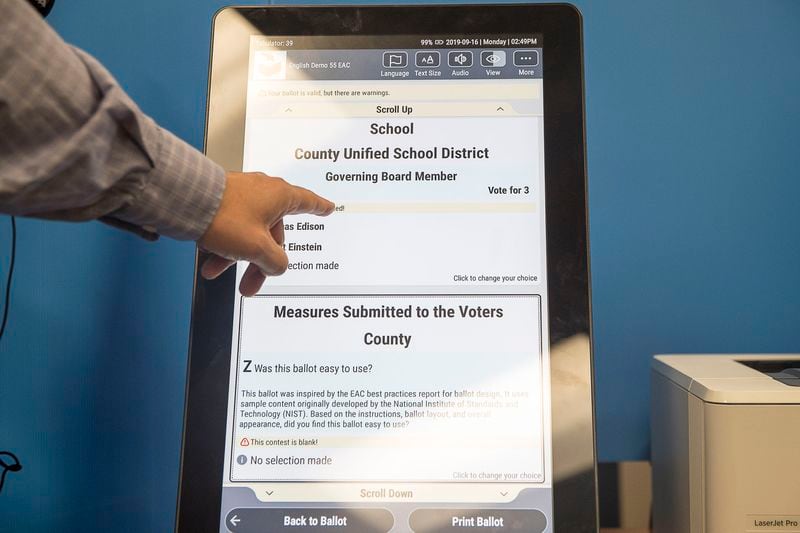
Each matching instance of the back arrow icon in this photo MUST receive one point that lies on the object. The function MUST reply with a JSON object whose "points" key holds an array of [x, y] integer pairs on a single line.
{"points": [[235, 520]]}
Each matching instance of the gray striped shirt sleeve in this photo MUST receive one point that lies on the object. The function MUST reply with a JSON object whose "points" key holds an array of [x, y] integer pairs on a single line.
{"points": [[74, 146]]}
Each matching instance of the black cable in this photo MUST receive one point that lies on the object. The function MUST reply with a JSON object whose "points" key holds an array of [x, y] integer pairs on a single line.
{"points": [[13, 465], [10, 277], [43, 7]]}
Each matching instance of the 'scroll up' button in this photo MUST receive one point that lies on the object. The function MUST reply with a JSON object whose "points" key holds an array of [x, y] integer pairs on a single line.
{"points": [[484, 520]]}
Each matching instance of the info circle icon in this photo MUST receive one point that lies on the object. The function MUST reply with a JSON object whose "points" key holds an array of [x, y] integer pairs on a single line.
{"points": [[242, 459]]}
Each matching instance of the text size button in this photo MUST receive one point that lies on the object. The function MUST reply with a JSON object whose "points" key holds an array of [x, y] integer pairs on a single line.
{"points": [[496, 520]]}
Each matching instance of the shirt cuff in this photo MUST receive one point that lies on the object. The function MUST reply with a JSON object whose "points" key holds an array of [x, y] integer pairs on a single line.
{"points": [[180, 194]]}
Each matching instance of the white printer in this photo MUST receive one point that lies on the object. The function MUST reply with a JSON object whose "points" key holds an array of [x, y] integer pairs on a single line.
{"points": [[726, 443]]}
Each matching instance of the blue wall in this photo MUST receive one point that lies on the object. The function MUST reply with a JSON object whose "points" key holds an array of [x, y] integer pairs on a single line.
{"points": [[693, 154]]}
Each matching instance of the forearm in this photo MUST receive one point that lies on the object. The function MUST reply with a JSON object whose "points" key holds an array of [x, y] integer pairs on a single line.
{"points": [[74, 146]]}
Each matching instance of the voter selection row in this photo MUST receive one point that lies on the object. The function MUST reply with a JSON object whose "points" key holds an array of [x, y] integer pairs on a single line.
{"points": [[304, 246]]}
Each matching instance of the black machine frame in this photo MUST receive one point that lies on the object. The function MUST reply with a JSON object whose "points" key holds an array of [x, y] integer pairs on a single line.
{"points": [[574, 461]]}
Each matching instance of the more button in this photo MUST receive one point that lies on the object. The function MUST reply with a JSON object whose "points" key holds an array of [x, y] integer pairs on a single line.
{"points": [[461, 520], [299, 520]]}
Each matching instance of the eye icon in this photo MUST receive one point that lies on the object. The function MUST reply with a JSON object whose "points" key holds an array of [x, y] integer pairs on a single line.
{"points": [[493, 58], [8, 463]]}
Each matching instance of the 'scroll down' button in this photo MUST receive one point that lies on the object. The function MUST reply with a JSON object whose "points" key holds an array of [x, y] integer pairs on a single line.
{"points": [[300, 520], [485, 520]]}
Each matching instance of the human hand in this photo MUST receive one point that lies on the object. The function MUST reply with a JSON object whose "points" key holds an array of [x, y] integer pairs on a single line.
{"points": [[249, 226]]}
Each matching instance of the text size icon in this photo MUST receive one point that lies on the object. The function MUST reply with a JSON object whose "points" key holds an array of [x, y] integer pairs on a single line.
{"points": [[395, 59], [526, 58], [459, 58], [493, 58], [427, 59]]}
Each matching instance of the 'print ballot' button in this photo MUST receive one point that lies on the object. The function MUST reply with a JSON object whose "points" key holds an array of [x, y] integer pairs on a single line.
{"points": [[497, 520], [298, 520]]}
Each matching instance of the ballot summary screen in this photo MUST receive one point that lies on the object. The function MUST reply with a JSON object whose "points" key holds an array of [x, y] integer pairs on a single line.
{"points": [[396, 377]]}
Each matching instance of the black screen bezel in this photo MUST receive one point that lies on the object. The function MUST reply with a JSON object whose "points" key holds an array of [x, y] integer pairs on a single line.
{"points": [[202, 457]]}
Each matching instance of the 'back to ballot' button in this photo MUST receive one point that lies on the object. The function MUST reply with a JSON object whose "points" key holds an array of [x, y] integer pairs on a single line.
{"points": [[495, 520], [300, 520]]}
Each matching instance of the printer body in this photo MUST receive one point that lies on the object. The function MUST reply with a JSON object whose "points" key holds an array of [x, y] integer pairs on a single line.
{"points": [[725, 443]]}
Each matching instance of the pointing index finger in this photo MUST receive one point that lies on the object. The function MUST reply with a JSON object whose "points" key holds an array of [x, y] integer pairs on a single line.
{"points": [[305, 201]]}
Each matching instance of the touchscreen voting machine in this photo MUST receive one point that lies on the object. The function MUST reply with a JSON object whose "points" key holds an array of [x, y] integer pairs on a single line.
{"points": [[424, 363]]}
